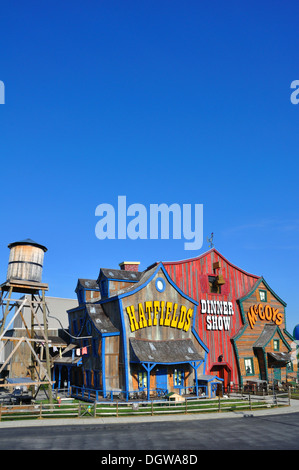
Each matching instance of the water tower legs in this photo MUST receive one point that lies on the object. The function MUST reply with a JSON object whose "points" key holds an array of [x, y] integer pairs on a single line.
{"points": [[30, 339]]}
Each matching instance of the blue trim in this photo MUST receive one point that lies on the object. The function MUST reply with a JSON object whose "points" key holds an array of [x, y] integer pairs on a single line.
{"points": [[160, 279], [103, 367], [148, 367], [104, 335], [124, 348], [200, 361], [199, 340]]}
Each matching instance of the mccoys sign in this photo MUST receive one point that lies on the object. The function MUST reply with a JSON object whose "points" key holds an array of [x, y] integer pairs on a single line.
{"points": [[266, 312]]}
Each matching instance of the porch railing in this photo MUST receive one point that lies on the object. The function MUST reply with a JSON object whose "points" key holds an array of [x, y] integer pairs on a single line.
{"points": [[83, 393]]}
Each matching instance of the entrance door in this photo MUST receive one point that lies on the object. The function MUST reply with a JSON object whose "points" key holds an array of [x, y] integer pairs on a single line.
{"points": [[223, 371], [161, 379], [277, 373]]}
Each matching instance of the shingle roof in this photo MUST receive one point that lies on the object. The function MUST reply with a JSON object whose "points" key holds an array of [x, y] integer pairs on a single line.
{"points": [[89, 283], [265, 336], [28, 241], [171, 351], [100, 319], [120, 274]]}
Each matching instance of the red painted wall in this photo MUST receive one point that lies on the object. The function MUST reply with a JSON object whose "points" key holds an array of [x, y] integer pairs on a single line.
{"points": [[191, 276]]}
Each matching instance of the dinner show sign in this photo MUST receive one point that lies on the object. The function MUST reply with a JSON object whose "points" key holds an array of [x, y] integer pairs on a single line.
{"points": [[218, 314]]}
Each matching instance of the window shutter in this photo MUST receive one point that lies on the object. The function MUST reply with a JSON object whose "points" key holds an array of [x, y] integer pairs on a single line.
{"points": [[204, 283], [225, 287]]}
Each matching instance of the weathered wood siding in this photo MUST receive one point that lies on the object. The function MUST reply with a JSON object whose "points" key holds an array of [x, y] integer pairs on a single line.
{"points": [[112, 351], [158, 332], [252, 332]]}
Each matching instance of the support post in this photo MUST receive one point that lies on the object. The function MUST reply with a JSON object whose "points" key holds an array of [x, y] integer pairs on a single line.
{"points": [[47, 346], [6, 310]]}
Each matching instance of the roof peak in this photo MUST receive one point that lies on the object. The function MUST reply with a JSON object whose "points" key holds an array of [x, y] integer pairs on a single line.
{"points": [[27, 241]]}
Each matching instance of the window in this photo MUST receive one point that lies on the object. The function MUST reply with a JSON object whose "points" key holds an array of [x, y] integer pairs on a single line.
{"points": [[178, 378], [75, 327], [94, 347], [249, 366], [214, 287], [88, 378], [80, 297], [104, 288], [160, 284], [276, 344], [96, 379], [142, 380], [88, 327], [263, 295]]}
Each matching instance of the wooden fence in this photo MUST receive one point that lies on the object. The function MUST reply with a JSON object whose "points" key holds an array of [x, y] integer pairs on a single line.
{"points": [[71, 409]]}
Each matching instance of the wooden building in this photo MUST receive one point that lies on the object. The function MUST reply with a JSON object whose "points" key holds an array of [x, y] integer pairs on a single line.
{"points": [[20, 361], [139, 336], [241, 320], [264, 346], [183, 327]]}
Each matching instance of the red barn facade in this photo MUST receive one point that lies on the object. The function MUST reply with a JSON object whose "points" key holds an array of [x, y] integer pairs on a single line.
{"points": [[217, 285]]}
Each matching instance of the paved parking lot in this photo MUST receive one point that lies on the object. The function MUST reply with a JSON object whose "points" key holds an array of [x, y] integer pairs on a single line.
{"points": [[242, 432]]}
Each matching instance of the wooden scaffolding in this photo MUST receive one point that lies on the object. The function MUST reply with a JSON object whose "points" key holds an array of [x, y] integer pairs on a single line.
{"points": [[34, 298]]}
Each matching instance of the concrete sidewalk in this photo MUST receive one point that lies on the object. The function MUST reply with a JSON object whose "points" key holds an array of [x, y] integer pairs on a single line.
{"points": [[293, 408]]}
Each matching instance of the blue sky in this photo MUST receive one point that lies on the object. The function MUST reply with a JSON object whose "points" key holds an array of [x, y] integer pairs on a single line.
{"points": [[163, 102]]}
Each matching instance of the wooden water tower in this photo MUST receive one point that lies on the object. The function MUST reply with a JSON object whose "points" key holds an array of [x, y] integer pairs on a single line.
{"points": [[24, 276], [26, 260]]}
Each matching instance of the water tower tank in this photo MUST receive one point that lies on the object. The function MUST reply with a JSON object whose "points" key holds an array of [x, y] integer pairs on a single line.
{"points": [[26, 261]]}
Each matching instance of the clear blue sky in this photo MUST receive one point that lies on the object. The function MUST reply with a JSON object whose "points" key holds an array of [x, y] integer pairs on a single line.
{"points": [[161, 101]]}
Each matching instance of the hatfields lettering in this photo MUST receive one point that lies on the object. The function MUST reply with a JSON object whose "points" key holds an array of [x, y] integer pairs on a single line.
{"points": [[159, 313], [159, 218]]}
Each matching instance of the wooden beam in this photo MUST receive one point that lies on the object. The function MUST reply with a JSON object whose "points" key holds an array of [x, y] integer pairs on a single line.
{"points": [[36, 382]]}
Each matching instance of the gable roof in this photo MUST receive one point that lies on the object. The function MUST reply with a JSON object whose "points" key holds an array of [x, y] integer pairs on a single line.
{"points": [[100, 320], [206, 253], [87, 284], [120, 275], [147, 276], [255, 286], [267, 334]]}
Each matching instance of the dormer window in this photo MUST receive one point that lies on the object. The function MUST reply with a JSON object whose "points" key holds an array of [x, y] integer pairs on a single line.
{"points": [[263, 295], [104, 288], [276, 344]]}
